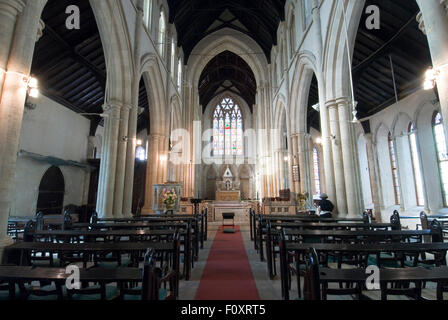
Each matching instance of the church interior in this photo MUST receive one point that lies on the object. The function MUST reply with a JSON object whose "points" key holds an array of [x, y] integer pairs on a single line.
{"points": [[223, 150]]}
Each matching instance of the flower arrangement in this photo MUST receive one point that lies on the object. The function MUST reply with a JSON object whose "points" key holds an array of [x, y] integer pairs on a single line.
{"points": [[303, 197], [169, 198]]}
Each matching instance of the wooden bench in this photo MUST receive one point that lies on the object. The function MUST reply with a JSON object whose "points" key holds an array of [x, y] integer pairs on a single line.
{"points": [[150, 277], [317, 280]]}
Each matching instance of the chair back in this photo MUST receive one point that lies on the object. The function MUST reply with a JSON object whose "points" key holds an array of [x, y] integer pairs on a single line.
{"points": [[149, 279], [395, 221], [67, 223], [436, 228], [94, 218], [40, 221], [30, 227], [312, 277], [366, 217]]}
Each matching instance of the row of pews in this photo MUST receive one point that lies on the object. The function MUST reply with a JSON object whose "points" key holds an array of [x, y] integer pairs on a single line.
{"points": [[332, 256], [141, 258]]}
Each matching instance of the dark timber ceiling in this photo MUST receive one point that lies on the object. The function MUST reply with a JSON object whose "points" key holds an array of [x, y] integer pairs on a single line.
{"points": [[195, 19], [70, 64], [227, 72], [400, 38]]}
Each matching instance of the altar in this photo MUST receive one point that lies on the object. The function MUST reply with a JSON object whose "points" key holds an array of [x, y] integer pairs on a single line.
{"points": [[228, 189], [228, 196]]}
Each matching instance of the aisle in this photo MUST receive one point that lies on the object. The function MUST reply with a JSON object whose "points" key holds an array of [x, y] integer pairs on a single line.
{"points": [[227, 274]]}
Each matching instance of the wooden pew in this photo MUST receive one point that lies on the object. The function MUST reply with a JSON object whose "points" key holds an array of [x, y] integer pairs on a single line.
{"points": [[289, 249], [116, 236], [317, 280], [328, 236], [149, 277]]}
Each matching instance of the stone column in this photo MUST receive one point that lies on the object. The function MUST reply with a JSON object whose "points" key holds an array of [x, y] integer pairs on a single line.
{"points": [[434, 23], [123, 141], [341, 198], [106, 186], [19, 34], [348, 154], [296, 162], [372, 174], [156, 170], [9, 11]]}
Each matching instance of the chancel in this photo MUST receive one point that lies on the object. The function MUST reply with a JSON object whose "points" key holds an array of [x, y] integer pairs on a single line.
{"points": [[228, 188], [193, 150]]}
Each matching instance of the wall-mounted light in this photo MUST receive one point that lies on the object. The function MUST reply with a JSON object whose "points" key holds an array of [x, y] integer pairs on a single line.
{"points": [[139, 142], [286, 158], [319, 140], [163, 158], [432, 76], [33, 85]]}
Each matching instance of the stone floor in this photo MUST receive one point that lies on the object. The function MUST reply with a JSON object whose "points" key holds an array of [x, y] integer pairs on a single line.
{"points": [[268, 289]]}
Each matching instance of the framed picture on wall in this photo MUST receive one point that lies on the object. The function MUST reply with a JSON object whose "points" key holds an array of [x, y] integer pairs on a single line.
{"points": [[296, 173]]}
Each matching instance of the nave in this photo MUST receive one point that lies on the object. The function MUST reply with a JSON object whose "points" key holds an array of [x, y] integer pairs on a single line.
{"points": [[188, 258]]}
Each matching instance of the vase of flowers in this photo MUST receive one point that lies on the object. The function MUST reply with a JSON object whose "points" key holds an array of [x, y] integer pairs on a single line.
{"points": [[302, 197], [169, 198]]}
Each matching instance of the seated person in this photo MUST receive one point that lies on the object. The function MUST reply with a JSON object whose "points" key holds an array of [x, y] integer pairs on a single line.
{"points": [[325, 207]]}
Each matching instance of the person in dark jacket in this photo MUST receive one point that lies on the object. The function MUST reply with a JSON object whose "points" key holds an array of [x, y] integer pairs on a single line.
{"points": [[325, 207]]}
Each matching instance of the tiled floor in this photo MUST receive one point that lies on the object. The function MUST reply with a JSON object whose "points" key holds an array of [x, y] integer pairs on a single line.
{"points": [[268, 289]]}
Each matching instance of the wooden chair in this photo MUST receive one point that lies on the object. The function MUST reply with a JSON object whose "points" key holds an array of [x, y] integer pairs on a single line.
{"points": [[311, 290]]}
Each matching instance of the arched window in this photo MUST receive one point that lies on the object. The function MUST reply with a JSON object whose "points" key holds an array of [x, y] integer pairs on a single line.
{"points": [[393, 164], [179, 75], [416, 166], [173, 58], [162, 33], [227, 129], [147, 13], [316, 170], [442, 156]]}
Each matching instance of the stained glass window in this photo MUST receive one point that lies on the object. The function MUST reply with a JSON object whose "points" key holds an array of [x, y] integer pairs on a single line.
{"points": [[393, 164], [442, 155], [416, 166], [316, 170], [227, 129]]}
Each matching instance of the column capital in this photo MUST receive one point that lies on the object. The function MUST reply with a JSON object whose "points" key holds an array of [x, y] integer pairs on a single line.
{"points": [[331, 104], [40, 29], [113, 106], [421, 23], [342, 100], [11, 7]]}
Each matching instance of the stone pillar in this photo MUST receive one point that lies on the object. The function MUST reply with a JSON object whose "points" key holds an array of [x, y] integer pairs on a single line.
{"points": [[156, 170], [106, 186], [434, 23], [123, 141], [19, 34], [9, 10], [341, 199], [294, 162], [373, 179], [348, 154]]}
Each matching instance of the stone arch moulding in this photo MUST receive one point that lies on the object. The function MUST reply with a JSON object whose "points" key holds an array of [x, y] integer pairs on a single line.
{"points": [[335, 58], [150, 71], [303, 74], [117, 49], [400, 124], [227, 40]]}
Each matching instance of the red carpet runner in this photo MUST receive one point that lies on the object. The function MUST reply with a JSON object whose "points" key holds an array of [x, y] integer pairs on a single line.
{"points": [[227, 274]]}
